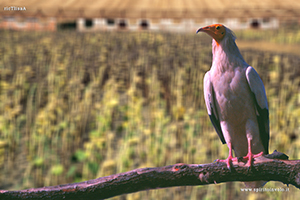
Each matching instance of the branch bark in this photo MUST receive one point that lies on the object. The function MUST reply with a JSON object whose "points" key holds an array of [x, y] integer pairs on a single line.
{"points": [[285, 171]]}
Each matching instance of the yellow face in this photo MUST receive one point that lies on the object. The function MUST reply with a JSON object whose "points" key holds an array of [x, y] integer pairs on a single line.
{"points": [[216, 31]]}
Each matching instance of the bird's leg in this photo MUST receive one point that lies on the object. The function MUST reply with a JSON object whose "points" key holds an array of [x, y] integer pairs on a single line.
{"points": [[229, 160], [250, 155]]}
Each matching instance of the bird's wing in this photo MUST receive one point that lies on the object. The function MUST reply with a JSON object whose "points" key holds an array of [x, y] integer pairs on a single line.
{"points": [[209, 96], [259, 94]]}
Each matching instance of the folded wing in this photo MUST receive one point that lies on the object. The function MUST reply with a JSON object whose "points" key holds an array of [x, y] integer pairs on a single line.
{"points": [[259, 95], [209, 96]]}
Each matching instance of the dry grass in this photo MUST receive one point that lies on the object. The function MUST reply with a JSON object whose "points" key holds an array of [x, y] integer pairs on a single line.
{"points": [[78, 106]]}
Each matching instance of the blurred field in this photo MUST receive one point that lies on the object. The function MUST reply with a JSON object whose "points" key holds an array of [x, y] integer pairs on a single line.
{"points": [[178, 5], [194, 9], [78, 106]]}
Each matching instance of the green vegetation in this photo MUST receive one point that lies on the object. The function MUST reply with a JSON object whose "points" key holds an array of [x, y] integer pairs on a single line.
{"points": [[79, 106], [286, 35]]}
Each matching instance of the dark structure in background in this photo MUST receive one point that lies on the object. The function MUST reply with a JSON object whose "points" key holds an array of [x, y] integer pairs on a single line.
{"points": [[33, 16]]}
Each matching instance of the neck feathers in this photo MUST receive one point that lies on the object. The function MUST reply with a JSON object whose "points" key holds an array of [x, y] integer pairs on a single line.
{"points": [[226, 54]]}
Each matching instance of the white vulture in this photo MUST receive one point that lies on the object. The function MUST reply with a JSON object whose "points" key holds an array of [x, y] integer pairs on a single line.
{"points": [[236, 100]]}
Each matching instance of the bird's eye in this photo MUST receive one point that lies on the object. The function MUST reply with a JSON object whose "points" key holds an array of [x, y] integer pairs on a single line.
{"points": [[218, 27]]}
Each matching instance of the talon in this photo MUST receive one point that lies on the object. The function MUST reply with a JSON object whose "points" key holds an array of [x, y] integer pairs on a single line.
{"points": [[250, 156], [228, 162], [257, 155], [230, 159]]}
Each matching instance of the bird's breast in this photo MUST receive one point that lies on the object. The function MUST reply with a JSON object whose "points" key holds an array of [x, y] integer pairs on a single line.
{"points": [[232, 94]]}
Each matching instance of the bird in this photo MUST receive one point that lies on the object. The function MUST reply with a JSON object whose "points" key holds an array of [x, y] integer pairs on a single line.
{"points": [[236, 100]]}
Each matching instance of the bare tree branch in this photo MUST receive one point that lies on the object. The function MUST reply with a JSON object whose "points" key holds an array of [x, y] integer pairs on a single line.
{"points": [[285, 171]]}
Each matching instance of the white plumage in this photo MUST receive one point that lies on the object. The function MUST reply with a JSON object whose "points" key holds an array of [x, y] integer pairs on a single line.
{"points": [[235, 99]]}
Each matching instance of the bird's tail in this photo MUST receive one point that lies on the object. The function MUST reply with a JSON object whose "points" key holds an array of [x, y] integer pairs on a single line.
{"points": [[255, 184], [275, 155]]}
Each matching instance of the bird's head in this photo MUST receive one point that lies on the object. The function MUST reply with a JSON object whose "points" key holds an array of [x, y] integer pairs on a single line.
{"points": [[216, 31]]}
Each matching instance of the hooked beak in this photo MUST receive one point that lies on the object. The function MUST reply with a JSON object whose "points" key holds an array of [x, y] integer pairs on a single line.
{"points": [[199, 30], [203, 29], [216, 31]]}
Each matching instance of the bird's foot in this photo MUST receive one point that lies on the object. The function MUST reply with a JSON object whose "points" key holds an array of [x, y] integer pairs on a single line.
{"points": [[228, 161], [250, 156]]}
